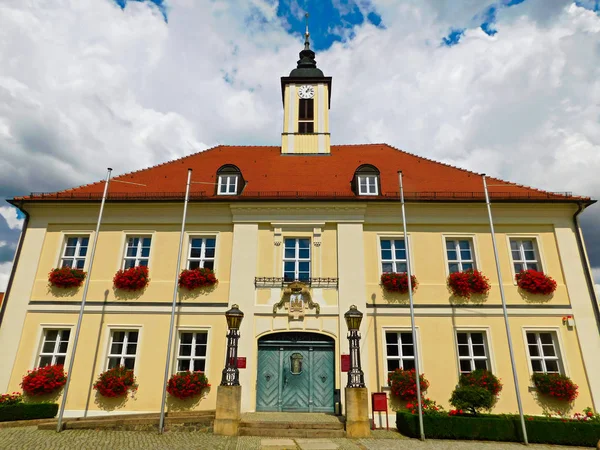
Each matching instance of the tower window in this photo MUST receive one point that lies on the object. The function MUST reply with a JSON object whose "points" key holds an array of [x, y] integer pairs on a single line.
{"points": [[306, 115]]}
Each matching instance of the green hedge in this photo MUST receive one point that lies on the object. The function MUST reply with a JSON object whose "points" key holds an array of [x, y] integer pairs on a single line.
{"points": [[28, 411], [500, 428]]}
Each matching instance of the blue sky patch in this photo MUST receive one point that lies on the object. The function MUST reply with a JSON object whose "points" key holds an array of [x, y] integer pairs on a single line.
{"points": [[160, 3]]}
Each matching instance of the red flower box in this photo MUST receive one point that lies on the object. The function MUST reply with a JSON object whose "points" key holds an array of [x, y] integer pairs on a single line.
{"points": [[196, 278], [404, 384], [44, 380], [66, 277], [132, 279], [483, 379], [398, 282], [535, 282], [187, 384], [468, 282], [555, 385], [116, 382]]}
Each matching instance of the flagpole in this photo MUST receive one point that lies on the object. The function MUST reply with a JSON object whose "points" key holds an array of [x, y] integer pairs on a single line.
{"points": [[161, 425], [83, 298], [412, 311], [510, 345]]}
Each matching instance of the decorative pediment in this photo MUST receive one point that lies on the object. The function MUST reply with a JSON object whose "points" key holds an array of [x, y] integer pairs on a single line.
{"points": [[296, 298]]}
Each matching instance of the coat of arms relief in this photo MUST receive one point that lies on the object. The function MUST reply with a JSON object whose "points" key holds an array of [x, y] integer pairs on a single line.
{"points": [[296, 299]]}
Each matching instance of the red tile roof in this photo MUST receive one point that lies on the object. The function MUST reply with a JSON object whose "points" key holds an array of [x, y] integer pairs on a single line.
{"points": [[271, 175]]}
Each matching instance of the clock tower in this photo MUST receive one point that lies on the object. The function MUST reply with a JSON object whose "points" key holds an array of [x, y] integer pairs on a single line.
{"points": [[306, 94]]}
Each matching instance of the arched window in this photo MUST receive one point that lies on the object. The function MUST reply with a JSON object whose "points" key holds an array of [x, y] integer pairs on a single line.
{"points": [[230, 181], [366, 180]]}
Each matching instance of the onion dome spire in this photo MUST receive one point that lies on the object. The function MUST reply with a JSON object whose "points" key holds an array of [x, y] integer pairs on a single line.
{"points": [[307, 66]]}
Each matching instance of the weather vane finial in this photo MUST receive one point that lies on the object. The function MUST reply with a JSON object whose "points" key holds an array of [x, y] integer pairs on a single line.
{"points": [[306, 35]]}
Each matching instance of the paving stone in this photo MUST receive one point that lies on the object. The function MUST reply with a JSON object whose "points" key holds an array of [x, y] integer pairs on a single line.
{"points": [[316, 444], [277, 444]]}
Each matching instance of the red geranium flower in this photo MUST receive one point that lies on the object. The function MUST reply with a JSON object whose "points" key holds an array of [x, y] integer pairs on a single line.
{"points": [[116, 382], [44, 380], [195, 278], [132, 279], [404, 384], [535, 282], [66, 277], [468, 282], [187, 384], [555, 385], [398, 282]]}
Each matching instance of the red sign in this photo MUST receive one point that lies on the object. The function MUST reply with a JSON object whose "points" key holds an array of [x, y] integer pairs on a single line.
{"points": [[345, 363], [241, 362], [379, 400]]}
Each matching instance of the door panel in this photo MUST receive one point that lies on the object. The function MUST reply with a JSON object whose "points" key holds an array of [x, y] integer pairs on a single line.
{"points": [[322, 380], [267, 384], [295, 387]]}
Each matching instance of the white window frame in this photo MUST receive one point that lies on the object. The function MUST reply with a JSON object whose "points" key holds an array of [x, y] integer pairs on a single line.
{"points": [[459, 259], [126, 329], [471, 357], [192, 357], [394, 261], [55, 352], [368, 186], [537, 248], [537, 261], [558, 349], [76, 257], [228, 181], [418, 352], [202, 259], [296, 259], [138, 256]]}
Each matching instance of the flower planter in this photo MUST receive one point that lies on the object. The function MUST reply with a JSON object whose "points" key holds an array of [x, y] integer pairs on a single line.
{"points": [[398, 282], [404, 385], [556, 386], [535, 282], [132, 279], [187, 384], [44, 380], [66, 277], [116, 382], [469, 282], [196, 278]]}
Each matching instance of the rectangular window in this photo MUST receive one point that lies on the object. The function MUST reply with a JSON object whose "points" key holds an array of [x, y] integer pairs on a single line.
{"points": [[54, 347], [202, 253], [306, 109], [75, 252], [192, 351], [228, 185], [460, 255], [367, 185], [296, 259], [306, 115], [123, 348], [472, 351], [543, 352], [400, 351], [137, 251], [524, 254], [393, 256]]}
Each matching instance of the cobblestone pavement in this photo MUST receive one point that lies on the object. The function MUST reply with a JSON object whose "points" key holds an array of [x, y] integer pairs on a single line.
{"points": [[30, 438]]}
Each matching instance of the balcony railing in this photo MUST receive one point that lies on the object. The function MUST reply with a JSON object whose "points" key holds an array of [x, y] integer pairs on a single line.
{"points": [[278, 282]]}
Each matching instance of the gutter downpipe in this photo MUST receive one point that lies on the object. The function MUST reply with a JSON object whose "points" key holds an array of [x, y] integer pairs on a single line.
{"points": [[15, 260], [585, 263]]}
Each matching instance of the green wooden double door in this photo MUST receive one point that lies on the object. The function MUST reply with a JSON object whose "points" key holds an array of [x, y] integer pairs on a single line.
{"points": [[295, 373]]}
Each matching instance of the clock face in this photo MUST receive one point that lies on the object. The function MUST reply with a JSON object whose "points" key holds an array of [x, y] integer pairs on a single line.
{"points": [[306, 91]]}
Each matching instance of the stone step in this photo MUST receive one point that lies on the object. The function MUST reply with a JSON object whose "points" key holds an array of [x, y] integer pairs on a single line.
{"points": [[293, 425], [292, 432]]}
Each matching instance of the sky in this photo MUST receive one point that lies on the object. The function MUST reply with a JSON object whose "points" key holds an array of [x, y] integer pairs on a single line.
{"points": [[509, 87]]}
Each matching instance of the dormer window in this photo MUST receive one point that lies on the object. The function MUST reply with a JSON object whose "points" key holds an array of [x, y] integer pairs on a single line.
{"points": [[366, 180], [230, 180]]}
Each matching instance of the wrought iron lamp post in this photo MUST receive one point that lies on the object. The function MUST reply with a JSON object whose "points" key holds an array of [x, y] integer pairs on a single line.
{"points": [[356, 377], [231, 374]]}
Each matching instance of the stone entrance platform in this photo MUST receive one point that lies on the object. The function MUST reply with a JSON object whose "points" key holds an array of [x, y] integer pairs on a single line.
{"points": [[292, 425]]}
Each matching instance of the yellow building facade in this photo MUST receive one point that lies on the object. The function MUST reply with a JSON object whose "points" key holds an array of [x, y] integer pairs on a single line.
{"points": [[272, 225]]}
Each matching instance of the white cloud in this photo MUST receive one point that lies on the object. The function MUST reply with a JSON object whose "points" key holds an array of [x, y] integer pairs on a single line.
{"points": [[4, 274], [10, 215], [85, 85]]}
